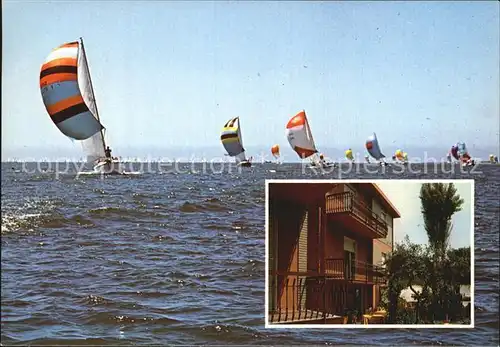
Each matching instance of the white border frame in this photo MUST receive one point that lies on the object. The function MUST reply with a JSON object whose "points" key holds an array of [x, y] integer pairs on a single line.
{"points": [[367, 326]]}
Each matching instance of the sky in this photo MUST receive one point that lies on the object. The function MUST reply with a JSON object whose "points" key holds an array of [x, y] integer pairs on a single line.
{"points": [[404, 195], [168, 75]]}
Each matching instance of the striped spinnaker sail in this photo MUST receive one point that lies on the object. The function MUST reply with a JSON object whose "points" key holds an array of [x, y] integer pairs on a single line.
{"points": [[232, 140], [299, 135], [373, 147], [64, 82]]}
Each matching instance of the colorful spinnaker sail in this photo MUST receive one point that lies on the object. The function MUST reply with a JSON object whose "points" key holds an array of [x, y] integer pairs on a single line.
{"points": [[231, 139], [299, 136], [399, 155], [372, 146], [64, 83], [349, 155], [275, 151]]}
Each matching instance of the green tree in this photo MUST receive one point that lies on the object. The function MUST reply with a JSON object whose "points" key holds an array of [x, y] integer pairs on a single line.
{"points": [[412, 264], [458, 265], [407, 267], [439, 202]]}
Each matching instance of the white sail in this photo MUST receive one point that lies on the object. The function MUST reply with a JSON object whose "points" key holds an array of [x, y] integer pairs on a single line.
{"points": [[373, 147], [94, 147]]}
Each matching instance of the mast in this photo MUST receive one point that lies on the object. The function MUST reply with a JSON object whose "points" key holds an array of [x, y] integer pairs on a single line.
{"points": [[93, 95]]}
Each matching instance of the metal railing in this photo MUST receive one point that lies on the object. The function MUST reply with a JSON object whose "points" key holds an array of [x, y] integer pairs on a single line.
{"points": [[307, 297], [294, 298], [358, 271], [346, 203]]}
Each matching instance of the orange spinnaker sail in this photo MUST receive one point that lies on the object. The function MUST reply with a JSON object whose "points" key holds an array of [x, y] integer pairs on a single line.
{"points": [[275, 150]]}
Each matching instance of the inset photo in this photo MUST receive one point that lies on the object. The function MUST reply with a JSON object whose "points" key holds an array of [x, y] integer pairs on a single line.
{"points": [[370, 254]]}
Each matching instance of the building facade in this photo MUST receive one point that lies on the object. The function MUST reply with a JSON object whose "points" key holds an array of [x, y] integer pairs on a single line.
{"points": [[327, 243]]}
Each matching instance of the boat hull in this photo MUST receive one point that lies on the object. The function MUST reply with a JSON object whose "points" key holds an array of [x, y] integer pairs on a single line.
{"points": [[321, 166], [109, 168], [245, 164]]}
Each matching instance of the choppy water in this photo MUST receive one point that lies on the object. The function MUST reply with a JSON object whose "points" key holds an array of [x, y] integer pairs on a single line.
{"points": [[178, 258]]}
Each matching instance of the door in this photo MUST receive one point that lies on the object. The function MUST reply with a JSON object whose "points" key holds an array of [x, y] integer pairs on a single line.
{"points": [[349, 265], [349, 258]]}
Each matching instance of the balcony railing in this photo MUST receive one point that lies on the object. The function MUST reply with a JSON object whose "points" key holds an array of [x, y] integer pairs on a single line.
{"points": [[355, 271], [290, 296], [345, 203], [309, 299]]}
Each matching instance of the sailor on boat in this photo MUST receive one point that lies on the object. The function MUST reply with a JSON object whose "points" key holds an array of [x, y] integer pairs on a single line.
{"points": [[107, 153], [322, 161], [246, 162]]}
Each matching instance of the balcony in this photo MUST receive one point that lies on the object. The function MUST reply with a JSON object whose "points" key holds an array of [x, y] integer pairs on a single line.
{"points": [[356, 271], [297, 298], [355, 215], [310, 298]]}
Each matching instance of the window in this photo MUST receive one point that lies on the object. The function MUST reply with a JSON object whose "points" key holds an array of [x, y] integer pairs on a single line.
{"points": [[383, 259], [383, 216]]}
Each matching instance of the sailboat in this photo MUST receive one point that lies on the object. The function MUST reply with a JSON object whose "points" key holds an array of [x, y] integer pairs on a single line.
{"points": [[463, 155], [233, 143], [400, 157], [69, 99], [298, 133], [275, 151], [373, 149], [349, 156]]}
